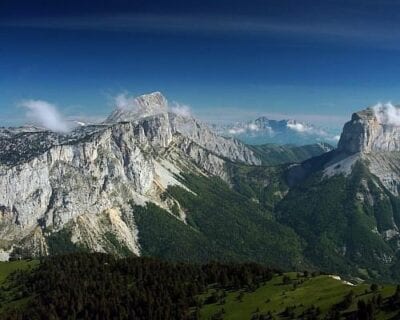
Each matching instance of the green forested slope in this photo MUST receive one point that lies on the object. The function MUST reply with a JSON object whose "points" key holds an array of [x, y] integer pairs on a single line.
{"points": [[221, 224], [337, 217]]}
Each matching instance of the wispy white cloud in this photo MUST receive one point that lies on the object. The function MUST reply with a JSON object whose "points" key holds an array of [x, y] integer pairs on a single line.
{"points": [[387, 113], [300, 127], [304, 128], [336, 138], [180, 109], [253, 127], [250, 128], [367, 31], [125, 102], [235, 131], [45, 114]]}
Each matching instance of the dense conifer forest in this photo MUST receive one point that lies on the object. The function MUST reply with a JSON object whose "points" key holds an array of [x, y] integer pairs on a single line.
{"points": [[99, 286]]}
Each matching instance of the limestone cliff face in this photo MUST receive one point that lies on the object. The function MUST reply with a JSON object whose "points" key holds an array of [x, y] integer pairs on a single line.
{"points": [[199, 133], [365, 133], [84, 180], [82, 176], [372, 137], [374, 140]]}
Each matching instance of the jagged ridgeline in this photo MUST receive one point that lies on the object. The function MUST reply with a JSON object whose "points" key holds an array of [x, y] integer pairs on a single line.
{"points": [[150, 182]]}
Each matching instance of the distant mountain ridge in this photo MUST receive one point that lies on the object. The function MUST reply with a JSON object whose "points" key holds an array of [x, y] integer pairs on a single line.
{"points": [[275, 154], [264, 130]]}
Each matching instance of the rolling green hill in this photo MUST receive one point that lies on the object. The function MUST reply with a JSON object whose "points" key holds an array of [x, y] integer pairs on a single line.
{"points": [[293, 296]]}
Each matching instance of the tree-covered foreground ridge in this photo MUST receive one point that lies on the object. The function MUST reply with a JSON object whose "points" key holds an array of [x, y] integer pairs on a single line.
{"points": [[102, 286]]}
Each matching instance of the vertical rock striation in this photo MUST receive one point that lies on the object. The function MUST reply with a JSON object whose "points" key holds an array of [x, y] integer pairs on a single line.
{"points": [[366, 133]]}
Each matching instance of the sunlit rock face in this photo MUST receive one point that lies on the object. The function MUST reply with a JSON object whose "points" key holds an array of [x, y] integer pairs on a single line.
{"points": [[372, 138], [201, 134], [370, 130]]}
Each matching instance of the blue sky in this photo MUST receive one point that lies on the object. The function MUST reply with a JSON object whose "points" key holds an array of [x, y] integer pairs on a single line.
{"points": [[316, 61]]}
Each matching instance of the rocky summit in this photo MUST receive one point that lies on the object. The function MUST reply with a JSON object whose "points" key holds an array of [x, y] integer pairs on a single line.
{"points": [[368, 132], [373, 138], [143, 106]]}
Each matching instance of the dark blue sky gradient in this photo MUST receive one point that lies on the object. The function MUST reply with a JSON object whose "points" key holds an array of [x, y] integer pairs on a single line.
{"points": [[314, 60]]}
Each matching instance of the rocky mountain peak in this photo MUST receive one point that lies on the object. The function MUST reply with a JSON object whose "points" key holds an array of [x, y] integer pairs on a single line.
{"points": [[143, 106], [375, 129]]}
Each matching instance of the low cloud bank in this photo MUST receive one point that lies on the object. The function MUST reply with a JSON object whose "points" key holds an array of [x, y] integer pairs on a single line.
{"points": [[300, 127], [254, 127], [303, 128], [45, 114], [251, 128], [236, 130]]}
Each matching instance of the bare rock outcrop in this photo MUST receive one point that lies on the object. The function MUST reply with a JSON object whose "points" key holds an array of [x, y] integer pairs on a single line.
{"points": [[365, 132]]}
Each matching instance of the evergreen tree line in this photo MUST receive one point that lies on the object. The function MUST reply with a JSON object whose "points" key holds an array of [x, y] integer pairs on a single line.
{"points": [[100, 286]]}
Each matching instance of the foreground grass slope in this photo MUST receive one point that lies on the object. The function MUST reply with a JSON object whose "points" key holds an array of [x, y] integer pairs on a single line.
{"points": [[293, 296], [10, 295]]}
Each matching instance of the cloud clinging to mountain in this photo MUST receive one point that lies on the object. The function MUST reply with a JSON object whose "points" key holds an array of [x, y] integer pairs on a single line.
{"points": [[387, 113], [181, 109], [125, 102], [45, 114]]}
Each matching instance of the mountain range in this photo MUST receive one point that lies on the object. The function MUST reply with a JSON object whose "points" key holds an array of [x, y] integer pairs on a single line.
{"points": [[264, 130], [150, 182]]}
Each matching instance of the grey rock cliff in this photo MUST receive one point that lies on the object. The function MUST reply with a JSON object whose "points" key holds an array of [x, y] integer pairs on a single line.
{"points": [[365, 133], [201, 134]]}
